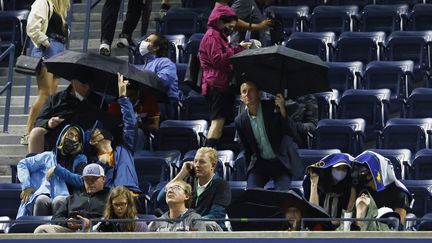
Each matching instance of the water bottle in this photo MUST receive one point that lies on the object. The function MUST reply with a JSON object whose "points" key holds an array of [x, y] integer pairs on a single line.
{"points": [[247, 36]]}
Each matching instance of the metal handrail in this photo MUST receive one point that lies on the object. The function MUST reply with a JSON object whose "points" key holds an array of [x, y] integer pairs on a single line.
{"points": [[8, 86]]}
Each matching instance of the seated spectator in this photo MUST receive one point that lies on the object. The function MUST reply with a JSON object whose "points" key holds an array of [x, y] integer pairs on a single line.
{"points": [[375, 173], [328, 184], [49, 177], [121, 205], [118, 162], [211, 194], [178, 197], [154, 49], [80, 208], [365, 208], [75, 105]]}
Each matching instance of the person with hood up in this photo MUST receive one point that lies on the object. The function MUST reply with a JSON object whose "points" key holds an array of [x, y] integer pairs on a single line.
{"points": [[214, 54], [328, 183], [49, 177], [118, 161]]}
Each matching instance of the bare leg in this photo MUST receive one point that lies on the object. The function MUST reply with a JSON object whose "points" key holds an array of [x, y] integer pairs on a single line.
{"points": [[37, 140], [215, 130]]}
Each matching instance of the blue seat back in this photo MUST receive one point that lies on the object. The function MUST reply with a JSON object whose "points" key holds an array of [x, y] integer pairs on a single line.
{"points": [[344, 75], [152, 170], [387, 18], [27, 226], [290, 16], [311, 156], [418, 105], [360, 46], [327, 102], [422, 195], [422, 165], [195, 107], [10, 198], [335, 19], [318, 44], [421, 17], [180, 22]]}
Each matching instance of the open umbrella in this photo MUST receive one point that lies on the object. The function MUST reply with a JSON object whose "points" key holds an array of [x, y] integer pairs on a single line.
{"points": [[101, 71], [277, 68]]}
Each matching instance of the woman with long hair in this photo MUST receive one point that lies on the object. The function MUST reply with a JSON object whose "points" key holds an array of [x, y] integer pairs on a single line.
{"points": [[121, 205], [47, 29]]}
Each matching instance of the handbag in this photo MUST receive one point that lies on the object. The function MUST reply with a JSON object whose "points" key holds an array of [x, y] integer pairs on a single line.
{"points": [[27, 65]]}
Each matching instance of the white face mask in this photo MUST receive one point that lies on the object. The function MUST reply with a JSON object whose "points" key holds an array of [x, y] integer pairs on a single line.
{"points": [[338, 175], [78, 96], [144, 48]]}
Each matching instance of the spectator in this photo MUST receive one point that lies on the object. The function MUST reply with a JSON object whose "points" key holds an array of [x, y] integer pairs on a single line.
{"points": [[328, 184], [375, 173], [154, 49], [211, 194], [121, 205], [178, 197], [81, 207], [47, 28], [214, 53], [78, 105], [47, 178], [268, 140]]}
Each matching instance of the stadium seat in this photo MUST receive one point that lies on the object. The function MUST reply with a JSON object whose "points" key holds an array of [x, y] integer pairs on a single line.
{"points": [[179, 42], [292, 17], [360, 46], [421, 18], [151, 170], [344, 134], [411, 45], [239, 168], [172, 157], [310, 3], [410, 3], [422, 165], [179, 21], [360, 3], [400, 159], [238, 189], [344, 75], [335, 19], [393, 75], [371, 105], [406, 133], [195, 107], [327, 102], [10, 198], [422, 194], [387, 18], [17, 5], [311, 156], [319, 44], [183, 135], [229, 139], [418, 104], [192, 46], [12, 28], [27, 226]]}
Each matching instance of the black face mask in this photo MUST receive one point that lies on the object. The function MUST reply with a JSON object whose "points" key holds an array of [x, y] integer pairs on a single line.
{"points": [[69, 146], [227, 31]]}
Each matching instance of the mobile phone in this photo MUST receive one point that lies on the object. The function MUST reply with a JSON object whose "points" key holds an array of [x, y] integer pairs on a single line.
{"points": [[73, 214]]}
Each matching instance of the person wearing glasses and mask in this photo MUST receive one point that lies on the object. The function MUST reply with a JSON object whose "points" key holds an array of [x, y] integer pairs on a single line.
{"points": [[179, 216], [121, 205], [48, 178]]}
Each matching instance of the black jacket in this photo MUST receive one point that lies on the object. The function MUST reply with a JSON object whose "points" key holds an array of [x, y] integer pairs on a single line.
{"points": [[280, 132], [90, 206]]}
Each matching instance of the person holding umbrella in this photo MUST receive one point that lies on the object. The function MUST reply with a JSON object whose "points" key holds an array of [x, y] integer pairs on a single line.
{"points": [[214, 54]]}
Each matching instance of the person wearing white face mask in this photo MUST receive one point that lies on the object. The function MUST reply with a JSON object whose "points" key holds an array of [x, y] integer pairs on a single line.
{"points": [[154, 49], [327, 184]]}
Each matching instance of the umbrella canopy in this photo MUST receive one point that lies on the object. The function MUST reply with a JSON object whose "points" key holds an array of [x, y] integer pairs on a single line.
{"points": [[101, 71], [261, 203], [277, 68]]}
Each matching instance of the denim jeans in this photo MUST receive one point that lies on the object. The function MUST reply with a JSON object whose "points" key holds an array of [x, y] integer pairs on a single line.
{"points": [[54, 48]]}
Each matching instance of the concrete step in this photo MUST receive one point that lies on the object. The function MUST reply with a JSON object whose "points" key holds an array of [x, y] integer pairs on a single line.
{"points": [[14, 149], [121, 53], [9, 139], [8, 159], [97, 17], [14, 130], [16, 100], [17, 119], [95, 34], [81, 7], [13, 110], [19, 90]]}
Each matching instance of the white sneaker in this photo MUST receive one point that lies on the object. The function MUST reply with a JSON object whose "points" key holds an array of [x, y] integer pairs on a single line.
{"points": [[105, 49], [122, 42]]}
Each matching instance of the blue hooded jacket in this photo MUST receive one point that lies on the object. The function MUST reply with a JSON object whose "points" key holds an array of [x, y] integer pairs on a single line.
{"points": [[32, 173]]}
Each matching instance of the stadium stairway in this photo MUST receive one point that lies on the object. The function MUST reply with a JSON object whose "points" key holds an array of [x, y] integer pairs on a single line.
{"points": [[11, 151]]}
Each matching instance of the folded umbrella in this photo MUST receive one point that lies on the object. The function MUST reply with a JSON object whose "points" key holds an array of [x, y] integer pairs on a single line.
{"points": [[277, 68], [101, 72]]}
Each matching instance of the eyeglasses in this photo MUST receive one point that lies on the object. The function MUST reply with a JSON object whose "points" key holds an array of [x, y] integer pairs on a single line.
{"points": [[176, 188], [119, 205]]}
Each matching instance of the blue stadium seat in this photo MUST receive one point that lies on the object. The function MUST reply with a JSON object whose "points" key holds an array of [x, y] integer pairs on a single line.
{"points": [[12, 28], [179, 21], [420, 189], [387, 18], [344, 75], [292, 17], [195, 107], [371, 105], [296, 185], [238, 189], [17, 5], [10, 199], [393, 75], [192, 46], [223, 168], [344, 134], [410, 3], [411, 45], [183, 135], [310, 3], [172, 157], [335, 19], [28, 226], [400, 159], [311, 156], [179, 42], [422, 165], [360, 46], [360, 3], [229, 139], [407, 133], [421, 17], [327, 102], [418, 104], [239, 168], [151, 170], [320, 44]]}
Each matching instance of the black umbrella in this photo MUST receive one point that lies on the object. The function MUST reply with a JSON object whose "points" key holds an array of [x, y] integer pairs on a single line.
{"points": [[261, 203], [277, 68], [101, 71]]}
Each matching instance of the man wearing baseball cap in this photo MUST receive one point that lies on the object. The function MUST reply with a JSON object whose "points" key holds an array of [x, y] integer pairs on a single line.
{"points": [[80, 208]]}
